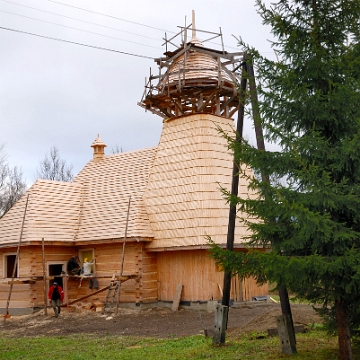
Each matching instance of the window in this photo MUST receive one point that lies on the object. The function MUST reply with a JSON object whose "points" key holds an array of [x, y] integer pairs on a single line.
{"points": [[9, 262]]}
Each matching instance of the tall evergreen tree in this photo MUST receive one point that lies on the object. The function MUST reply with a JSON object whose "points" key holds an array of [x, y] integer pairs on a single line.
{"points": [[309, 211]]}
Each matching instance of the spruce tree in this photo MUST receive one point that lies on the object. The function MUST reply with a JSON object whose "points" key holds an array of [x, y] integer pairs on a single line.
{"points": [[309, 211]]}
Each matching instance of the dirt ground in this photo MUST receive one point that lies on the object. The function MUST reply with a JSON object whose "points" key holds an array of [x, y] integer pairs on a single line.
{"points": [[155, 322]]}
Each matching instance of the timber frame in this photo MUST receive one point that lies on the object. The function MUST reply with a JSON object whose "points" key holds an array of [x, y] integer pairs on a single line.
{"points": [[197, 79]]}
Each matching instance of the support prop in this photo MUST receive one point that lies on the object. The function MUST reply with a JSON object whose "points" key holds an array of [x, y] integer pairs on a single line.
{"points": [[123, 256], [221, 316]]}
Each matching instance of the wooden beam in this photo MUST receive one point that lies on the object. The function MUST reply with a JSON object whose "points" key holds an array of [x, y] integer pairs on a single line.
{"points": [[44, 275], [208, 100], [123, 255], [94, 293], [86, 296], [177, 297], [14, 282]]}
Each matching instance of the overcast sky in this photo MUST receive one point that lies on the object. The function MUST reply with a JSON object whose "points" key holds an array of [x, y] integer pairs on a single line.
{"points": [[62, 94]]}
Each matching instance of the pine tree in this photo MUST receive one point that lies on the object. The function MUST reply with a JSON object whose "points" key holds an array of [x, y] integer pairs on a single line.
{"points": [[309, 211]]}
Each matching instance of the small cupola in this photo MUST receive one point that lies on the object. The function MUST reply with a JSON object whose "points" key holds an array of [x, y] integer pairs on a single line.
{"points": [[99, 147]]}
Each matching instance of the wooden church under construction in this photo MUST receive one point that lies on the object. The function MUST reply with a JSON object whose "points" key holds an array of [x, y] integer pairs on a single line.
{"points": [[146, 214]]}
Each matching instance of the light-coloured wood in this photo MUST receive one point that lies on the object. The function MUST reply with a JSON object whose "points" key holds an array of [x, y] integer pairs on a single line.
{"points": [[69, 212], [199, 275], [133, 273], [175, 204], [183, 194], [177, 297], [16, 259], [44, 275], [196, 80]]}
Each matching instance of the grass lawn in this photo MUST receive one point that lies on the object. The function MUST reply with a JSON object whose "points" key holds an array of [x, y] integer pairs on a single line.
{"points": [[313, 345]]}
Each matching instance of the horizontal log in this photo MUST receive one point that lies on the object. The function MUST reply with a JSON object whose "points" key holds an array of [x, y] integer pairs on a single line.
{"points": [[17, 304], [149, 268], [149, 284]]}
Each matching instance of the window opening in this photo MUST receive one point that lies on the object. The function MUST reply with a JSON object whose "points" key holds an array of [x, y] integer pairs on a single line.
{"points": [[9, 265]]}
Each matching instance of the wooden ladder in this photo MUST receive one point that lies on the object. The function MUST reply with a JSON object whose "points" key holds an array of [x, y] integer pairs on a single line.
{"points": [[114, 287]]}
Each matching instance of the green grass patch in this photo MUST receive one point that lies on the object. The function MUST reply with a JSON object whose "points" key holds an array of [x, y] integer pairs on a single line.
{"points": [[313, 345]]}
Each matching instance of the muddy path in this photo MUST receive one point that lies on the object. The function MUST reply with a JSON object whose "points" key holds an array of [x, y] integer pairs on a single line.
{"points": [[155, 322]]}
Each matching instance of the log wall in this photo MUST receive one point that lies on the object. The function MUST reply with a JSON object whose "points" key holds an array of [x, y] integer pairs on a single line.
{"points": [[159, 273], [108, 260]]}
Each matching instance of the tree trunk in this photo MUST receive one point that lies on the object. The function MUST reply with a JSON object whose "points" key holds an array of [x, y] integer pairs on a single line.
{"points": [[345, 352]]}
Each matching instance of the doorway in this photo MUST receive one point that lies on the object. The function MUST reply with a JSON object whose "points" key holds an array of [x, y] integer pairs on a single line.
{"points": [[55, 270]]}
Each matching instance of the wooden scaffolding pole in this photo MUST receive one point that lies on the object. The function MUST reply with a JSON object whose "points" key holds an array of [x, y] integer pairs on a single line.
{"points": [[44, 275], [123, 256], [16, 262]]}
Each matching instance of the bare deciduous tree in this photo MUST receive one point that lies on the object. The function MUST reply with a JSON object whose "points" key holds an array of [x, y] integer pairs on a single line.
{"points": [[12, 184], [52, 167], [117, 149]]}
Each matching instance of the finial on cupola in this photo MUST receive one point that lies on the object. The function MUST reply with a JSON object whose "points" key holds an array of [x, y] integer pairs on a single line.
{"points": [[194, 40], [193, 24]]}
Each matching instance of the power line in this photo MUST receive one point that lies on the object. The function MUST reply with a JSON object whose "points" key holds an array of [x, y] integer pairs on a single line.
{"points": [[110, 16], [129, 21], [83, 21], [70, 27], [76, 43], [114, 17]]}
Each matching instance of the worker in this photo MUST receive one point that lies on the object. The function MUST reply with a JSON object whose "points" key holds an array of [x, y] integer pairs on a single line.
{"points": [[87, 265], [56, 296], [87, 271], [73, 266]]}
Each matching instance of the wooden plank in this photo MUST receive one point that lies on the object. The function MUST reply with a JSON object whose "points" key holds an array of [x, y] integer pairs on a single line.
{"points": [[13, 282], [17, 304], [85, 297], [176, 302]]}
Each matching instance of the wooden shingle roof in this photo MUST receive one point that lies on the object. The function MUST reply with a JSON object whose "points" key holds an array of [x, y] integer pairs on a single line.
{"points": [[91, 208], [108, 183], [183, 197], [52, 213]]}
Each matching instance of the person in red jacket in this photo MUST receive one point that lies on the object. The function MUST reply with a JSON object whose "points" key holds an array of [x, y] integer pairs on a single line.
{"points": [[56, 295]]}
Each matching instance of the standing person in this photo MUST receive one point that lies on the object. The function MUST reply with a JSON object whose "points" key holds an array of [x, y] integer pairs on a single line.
{"points": [[87, 265], [56, 295], [73, 266]]}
